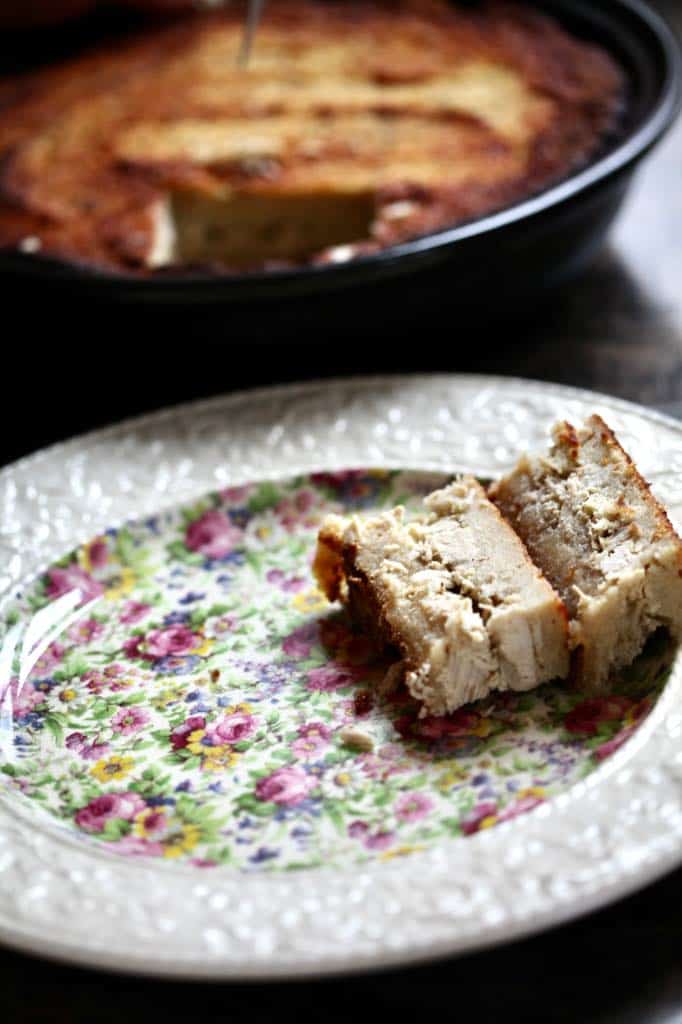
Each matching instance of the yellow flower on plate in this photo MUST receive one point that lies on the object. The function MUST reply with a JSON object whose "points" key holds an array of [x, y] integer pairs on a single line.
{"points": [[194, 743], [122, 585], [244, 709], [310, 601], [263, 532], [111, 768], [181, 840], [400, 851], [536, 791], [149, 822], [488, 822], [453, 774], [342, 779], [167, 696], [68, 695], [203, 647], [218, 759]]}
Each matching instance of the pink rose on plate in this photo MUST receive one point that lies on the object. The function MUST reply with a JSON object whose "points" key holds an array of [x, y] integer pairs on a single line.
{"points": [[159, 643], [63, 581], [86, 631], [130, 720], [460, 722], [587, 716], [23, 699], [133, 611], [412, 806], [94, 816], [286, 786], [379, 840], [315, 731], [213, 534], [232, 729], [98, 553], [180, 735], [49, 659], [312, 737], [332, 677]]}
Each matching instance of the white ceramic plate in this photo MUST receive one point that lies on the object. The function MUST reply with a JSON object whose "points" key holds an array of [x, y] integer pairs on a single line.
{"points": [[258, 845]]}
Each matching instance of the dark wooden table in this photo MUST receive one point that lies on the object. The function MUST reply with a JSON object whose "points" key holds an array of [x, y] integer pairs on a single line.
{"points": [[618, 329]]}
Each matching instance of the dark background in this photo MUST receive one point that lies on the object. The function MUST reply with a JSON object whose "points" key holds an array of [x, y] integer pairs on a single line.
{"points": [[71, 366]]}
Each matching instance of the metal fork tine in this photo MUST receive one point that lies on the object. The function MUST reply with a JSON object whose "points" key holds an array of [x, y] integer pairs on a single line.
{"points": [[255, 9]]}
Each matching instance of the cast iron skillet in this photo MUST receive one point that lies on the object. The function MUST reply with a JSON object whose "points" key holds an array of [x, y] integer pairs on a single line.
{"points": [[494, 262]]}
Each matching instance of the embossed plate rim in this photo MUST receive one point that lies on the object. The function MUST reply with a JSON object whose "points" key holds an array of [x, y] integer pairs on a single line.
{"points": [[558, 862]]}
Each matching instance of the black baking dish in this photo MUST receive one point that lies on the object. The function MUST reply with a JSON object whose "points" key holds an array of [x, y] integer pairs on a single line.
{"points": [[504, 257]]}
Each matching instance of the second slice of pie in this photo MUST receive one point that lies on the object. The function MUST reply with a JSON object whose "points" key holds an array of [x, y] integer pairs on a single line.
{"points": [[454, 591]]}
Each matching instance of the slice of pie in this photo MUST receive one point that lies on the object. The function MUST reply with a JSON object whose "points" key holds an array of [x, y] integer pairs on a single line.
{"points": [[605, 543], [454, 591]]}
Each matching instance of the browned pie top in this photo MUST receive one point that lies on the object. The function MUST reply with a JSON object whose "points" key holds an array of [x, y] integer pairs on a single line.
{"points": [[427, 114]]}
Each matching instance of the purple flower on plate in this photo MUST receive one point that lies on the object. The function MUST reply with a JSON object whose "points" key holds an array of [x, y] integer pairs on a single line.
{"points": [[289, 584], [79, 743], [176, 618]]}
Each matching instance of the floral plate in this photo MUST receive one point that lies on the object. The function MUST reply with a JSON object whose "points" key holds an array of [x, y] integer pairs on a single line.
{"points": [[197, 775]]}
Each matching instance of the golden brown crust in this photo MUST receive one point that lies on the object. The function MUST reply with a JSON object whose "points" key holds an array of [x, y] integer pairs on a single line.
{"points": [[611, 443], [88, 150], [328, 565], [341, 579]]}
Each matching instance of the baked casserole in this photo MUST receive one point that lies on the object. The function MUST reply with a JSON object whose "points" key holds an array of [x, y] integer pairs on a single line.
{"points": [[354, 127]]}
